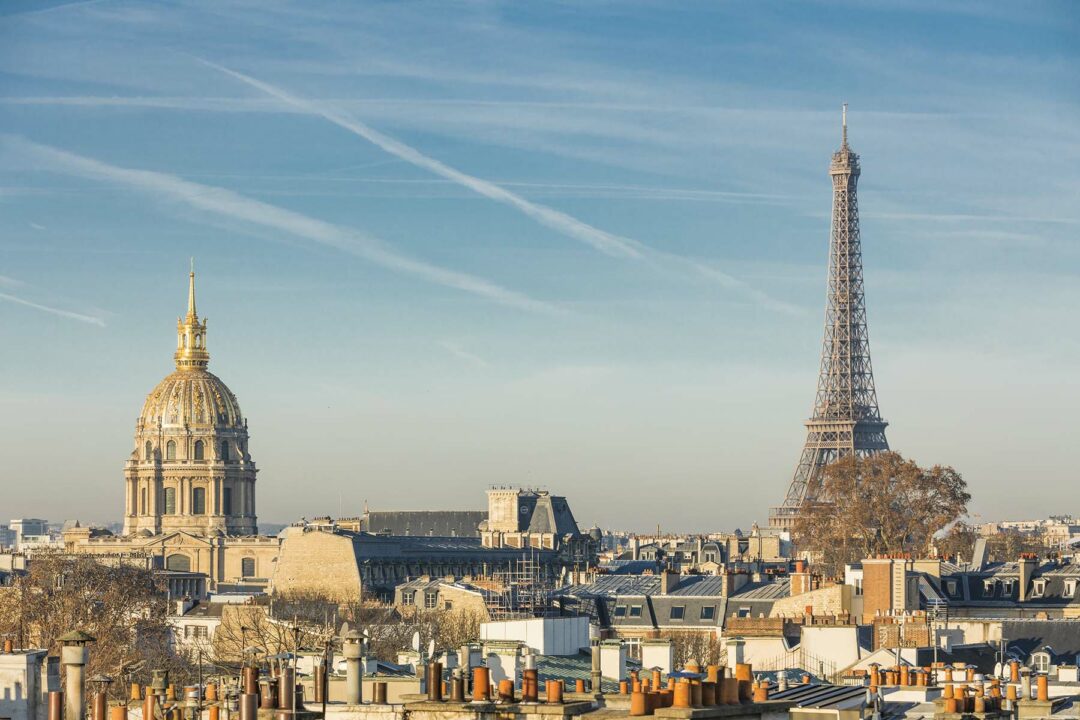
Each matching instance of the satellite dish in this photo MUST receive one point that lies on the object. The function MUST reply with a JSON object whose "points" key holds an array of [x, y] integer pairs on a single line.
{"points": [[344, 629], [367, 633], [416, 641], [431, 648]]}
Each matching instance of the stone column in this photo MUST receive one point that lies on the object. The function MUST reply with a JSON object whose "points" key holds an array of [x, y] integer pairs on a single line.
{"points": [[595, 674]]}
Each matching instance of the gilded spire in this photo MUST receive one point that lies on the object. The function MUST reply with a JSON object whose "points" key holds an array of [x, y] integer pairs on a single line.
{"points": [[191, 293], [191, 351]]}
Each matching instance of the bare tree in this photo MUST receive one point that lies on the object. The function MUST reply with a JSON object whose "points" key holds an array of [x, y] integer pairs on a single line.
{"points": [[958, 542], [119, 604], [703, 647], [878, 504]]}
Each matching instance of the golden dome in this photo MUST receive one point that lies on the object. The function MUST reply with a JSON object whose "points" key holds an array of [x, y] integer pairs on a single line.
{"points": [[192, 398]]}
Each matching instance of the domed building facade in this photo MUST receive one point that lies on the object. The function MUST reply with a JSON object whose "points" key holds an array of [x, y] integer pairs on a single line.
{"points": [[190, 470]]}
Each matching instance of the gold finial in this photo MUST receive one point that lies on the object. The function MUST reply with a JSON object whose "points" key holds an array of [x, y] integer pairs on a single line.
{"points": [[191, 292], [843, 126], [191, 333]]}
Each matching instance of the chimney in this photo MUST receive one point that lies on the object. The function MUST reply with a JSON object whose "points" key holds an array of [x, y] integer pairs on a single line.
{"points": [[1026, 563], [668, 581], [635, 548], [800, 578], [74, 656]]}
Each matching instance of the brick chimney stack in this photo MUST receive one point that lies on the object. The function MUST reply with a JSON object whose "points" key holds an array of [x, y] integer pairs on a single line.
{"points": [[800, 578]]}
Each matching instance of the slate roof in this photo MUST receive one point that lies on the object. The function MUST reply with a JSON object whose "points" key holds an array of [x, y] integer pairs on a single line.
{"points": [[695, 600], [1059, 637], [551, 514], [206, 610], [373, 547], [629, 567], [764, 590], [998, 585], [432, 523], [822, 696]]}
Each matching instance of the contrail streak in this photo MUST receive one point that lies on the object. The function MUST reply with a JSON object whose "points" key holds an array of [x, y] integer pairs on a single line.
{"points": [[554, 219], [55, 311], [601, 240], [233, 205]]}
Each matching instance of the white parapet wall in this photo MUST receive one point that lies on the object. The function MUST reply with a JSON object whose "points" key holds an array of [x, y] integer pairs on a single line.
{"points": [[545, 636], [658, 653], [613, 659]]}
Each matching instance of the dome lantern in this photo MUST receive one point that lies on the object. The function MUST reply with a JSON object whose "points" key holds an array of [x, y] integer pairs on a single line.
{"points": [[191, 334]]}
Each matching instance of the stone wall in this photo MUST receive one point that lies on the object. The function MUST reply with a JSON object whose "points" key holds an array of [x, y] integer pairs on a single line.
{"points": [[832, 600], [317, 561]]}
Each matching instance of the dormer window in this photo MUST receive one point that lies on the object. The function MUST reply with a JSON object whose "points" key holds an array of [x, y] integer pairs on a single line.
{"points": [[1007, 587], [1038, 588], [950, 587], [1040, 661], [988, 587], [1070, 588]]}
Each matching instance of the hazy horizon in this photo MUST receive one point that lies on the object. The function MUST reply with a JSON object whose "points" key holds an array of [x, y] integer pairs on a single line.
{"points": [[443, 246]]}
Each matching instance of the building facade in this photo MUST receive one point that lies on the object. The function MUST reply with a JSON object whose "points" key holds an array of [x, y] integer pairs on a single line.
{"points": [[189, 504], [190, 470]]}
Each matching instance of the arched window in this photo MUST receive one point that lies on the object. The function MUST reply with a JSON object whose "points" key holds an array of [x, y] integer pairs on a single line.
{"points": [[199, 450], [247, 567], [170, 501], [198, 341], [224, 449], [170, 450], [142, 511], [181, 563], [149, 450], [198, 501], [226, 501]]}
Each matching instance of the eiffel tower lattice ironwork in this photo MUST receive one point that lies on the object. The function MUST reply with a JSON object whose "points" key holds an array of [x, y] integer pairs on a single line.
{"points": [[846, 419]]}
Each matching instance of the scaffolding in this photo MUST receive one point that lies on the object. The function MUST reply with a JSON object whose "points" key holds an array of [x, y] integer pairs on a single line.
{"points": [[519, 591]]}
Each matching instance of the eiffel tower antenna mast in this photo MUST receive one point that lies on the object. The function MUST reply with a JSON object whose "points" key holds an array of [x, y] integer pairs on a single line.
{"points": [[846, 419]]}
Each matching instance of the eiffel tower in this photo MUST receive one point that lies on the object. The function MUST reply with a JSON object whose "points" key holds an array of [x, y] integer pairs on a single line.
{"points": [[846, 419]]}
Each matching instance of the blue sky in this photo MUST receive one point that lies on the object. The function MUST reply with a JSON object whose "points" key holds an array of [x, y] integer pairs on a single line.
{"points": [[572, 245]]}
